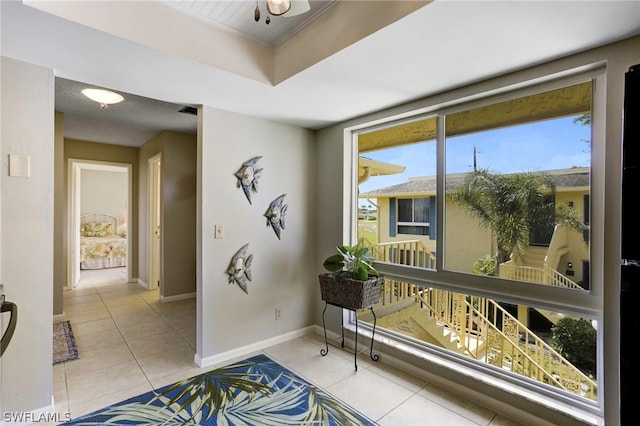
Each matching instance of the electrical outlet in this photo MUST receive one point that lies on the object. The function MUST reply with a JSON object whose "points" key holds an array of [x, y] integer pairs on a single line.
{"points": [[278, 313]]}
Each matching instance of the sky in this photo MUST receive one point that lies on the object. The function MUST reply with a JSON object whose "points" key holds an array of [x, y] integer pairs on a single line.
{"points": [[543, 145]]}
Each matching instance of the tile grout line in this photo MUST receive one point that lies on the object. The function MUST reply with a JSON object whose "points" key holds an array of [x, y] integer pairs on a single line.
{"points": [[163, 317], [123, 338], [127, 343]]}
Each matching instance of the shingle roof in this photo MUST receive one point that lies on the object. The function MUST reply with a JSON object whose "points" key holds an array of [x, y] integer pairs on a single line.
{"points": [[564, 179]]}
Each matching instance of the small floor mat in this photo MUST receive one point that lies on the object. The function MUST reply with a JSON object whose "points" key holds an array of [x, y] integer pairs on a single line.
{"points": [[64, 344]]}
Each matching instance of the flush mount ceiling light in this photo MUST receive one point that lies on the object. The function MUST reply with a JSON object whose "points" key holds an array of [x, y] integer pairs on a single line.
{"points": [[103, 97], [282, 8], [278, 7]]}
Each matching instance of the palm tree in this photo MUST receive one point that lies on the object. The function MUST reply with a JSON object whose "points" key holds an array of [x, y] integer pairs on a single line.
{"points": [[513, 207]]}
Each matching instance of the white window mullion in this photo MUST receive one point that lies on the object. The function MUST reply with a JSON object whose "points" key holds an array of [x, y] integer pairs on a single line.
{"points": [[440, 190]]}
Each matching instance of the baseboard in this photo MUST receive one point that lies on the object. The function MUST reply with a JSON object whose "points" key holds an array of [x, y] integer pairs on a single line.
{"points": [[184, 296], [141, 283], [249, 349], [58, 317]]}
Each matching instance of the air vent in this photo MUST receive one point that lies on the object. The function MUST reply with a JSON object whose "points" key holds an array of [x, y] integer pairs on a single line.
{"points": [[189, 110]]}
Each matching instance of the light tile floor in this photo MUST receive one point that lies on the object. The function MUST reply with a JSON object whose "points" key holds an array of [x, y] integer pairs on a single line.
{"points": [[130, 343]]}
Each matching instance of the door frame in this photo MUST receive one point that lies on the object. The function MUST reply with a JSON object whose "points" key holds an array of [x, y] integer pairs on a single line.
{"points": [[154, 223], [74, 185]]}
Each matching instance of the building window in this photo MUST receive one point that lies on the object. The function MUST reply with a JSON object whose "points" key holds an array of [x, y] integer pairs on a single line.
{"points": [[413, 216]]}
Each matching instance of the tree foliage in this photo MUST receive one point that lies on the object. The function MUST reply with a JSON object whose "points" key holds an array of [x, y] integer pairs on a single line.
{"points": [[583, 119], [512, 207], [485, 266], [575, 339]]}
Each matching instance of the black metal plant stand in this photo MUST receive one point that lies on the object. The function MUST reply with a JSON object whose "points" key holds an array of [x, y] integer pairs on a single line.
{"points": [[325, 351]]}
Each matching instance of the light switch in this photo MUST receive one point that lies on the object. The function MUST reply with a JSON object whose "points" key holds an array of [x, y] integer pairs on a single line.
{"points": [[219, 231], [19, 166]]}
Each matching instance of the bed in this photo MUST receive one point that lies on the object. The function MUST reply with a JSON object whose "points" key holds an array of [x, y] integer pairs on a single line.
{"points": [[102, 243]]}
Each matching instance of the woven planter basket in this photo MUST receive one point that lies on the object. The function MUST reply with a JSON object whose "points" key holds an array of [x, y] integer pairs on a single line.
{"points": [[350, 294]]}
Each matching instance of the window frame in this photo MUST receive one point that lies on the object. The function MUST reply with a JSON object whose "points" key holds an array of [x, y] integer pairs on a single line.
{"points": [[587, 304]]}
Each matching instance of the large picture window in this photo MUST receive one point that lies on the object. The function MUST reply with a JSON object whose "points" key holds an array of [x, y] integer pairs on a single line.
{"points": [[490, 200]]}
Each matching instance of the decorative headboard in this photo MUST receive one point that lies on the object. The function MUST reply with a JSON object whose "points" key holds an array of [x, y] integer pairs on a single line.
{"points": [[98, 225]]}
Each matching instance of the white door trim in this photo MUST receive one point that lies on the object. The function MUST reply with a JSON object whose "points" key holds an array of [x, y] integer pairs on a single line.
{"points": [[74, 185], [154, 221]]}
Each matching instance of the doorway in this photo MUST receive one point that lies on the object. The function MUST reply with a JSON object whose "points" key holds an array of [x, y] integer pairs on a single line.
{"points": [[76, 167]]}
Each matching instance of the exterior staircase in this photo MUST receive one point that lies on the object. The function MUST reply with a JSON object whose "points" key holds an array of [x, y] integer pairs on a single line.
{"points": [[535, 256], [415, 322], [473, 326]]}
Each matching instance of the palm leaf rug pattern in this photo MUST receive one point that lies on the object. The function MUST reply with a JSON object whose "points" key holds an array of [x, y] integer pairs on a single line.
{"points": [[256, 391]]}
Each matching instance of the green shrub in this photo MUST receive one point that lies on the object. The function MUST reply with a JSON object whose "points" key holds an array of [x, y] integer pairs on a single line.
{"points": [[575, 339], [485, 266]]}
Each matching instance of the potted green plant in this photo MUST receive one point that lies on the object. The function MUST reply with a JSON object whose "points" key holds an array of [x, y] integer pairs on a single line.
{"points": [[352, 282]]}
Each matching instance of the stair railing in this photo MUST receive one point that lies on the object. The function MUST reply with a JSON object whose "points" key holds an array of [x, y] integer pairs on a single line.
{"points": [[487, 331], [557, 279], [483, 327], [545, 275]]}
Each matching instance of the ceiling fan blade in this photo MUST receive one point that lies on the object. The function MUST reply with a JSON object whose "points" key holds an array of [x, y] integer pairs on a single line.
{"points": [[298, 7]]}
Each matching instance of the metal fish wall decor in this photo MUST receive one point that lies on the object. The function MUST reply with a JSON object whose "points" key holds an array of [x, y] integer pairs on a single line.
{"points": [[275, 214], [248, 176], [239, 269]]}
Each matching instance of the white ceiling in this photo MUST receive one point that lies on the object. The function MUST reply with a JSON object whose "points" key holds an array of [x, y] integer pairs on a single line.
{"points": [[443, 45], [238, 16]]}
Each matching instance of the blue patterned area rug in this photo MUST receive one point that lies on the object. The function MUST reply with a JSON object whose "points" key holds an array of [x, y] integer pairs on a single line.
{"points": [[64, 344], [256, 391]]}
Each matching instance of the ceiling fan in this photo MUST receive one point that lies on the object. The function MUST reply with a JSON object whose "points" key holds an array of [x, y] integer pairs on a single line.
{"points": [[282, 8]]}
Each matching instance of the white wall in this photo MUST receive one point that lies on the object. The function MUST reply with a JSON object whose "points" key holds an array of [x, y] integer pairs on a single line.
{"points": [[26, 220], [104, 191], [283, 270]]}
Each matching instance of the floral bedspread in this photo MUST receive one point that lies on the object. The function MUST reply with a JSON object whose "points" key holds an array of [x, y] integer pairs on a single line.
{"points": [[102, 247]]}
